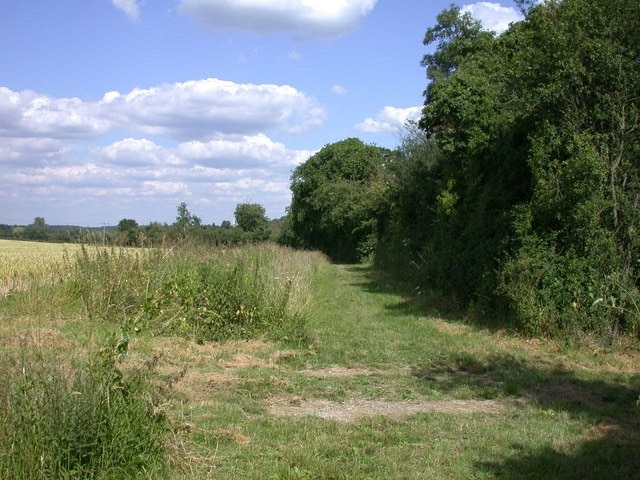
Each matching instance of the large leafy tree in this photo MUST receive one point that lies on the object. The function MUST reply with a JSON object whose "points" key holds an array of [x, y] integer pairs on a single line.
{"points": [[577, 257], [337, 195], [252, 218], [532, 196]]}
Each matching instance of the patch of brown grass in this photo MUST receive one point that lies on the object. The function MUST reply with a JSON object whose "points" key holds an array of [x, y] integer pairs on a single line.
{"points": [[355, 408], [197, 386], [234, 434]]}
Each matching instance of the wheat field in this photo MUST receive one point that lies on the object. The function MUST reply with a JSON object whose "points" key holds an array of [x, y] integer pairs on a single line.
{"points": [[23, 263]]}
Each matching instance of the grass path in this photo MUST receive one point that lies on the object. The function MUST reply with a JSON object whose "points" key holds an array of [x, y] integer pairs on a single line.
{"points": [[384, 392]]}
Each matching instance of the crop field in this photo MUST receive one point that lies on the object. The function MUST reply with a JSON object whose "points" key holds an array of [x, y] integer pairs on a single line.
{"points": [[263, 362], [25, 263]]}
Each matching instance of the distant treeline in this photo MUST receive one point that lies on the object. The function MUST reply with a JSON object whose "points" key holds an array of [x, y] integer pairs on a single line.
{"points": [[251, 225]]}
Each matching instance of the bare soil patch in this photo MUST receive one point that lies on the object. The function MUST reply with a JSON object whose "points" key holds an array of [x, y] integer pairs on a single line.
{"points": [[356, 408]]}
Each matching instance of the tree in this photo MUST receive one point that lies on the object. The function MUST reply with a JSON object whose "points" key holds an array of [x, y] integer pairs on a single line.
{"points": [[17, 232], [128, 229], [185, 221], [37, 230], [531, 201], [251, 218], [336, 199]]}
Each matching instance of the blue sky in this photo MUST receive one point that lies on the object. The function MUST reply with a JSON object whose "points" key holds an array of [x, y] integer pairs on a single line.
{"points": [[113, 109]]}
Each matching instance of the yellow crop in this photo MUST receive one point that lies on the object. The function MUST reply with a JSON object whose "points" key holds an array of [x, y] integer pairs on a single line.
{"points": [[25, 263]]}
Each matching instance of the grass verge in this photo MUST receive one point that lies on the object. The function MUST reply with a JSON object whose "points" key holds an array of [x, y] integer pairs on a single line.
{"points": [[377, 390]]}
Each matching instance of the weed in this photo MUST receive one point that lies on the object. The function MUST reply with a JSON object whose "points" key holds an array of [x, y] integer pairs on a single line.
{"points": [[81, 419]]}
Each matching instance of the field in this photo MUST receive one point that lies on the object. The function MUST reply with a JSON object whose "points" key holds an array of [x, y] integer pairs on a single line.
{"points": [[22, 263], [376, 386]]}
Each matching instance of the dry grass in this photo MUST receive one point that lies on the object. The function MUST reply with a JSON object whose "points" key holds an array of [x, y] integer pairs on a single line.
{"points": [[354, 409]]}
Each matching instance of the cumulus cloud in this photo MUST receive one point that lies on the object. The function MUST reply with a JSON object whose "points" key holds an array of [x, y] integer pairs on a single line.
{"points": [[87, 174], [221, 172], [223, 152], [199, 108], [28, 114], [324, 19], [493, 16], [389, 119], [246, 151], [23, 151], [129, 7], [135, 152]]}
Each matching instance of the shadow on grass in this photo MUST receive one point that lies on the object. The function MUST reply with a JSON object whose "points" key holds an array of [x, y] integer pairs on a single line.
{"points": [[609, 449], [612, 455], [414, 301]]}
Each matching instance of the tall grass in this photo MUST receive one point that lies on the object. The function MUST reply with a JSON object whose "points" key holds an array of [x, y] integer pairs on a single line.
{"points": [[66, 414], [203, 294], [83, 419]]}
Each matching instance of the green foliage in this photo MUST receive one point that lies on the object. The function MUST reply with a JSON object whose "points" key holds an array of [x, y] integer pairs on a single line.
{"points": [[110, 281], [86, 419], [525, 194], [252, 218], [338, 197], [458, 35], [199, 293], [128, 229], [185, 221], [216, 301]]}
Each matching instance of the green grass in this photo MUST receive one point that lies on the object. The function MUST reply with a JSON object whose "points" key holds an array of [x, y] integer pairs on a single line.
{"points": [[77, 418], [494, 405], [566, 412]]}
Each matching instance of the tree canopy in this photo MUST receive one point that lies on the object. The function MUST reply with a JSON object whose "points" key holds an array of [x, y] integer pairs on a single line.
{"points": [[252, 218], [530, 190], [335, 202]]}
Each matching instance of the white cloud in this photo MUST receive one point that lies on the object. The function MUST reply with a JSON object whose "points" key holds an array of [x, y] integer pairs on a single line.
{"points": [[153, 188], [389, 119], [197, 109], [223, 155], [129, 7], [338, 90], [200, 108], [23, 151], [86, 174], [300, 18], [493, 16], [28, 114], [132, 152], [251, 151]]}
